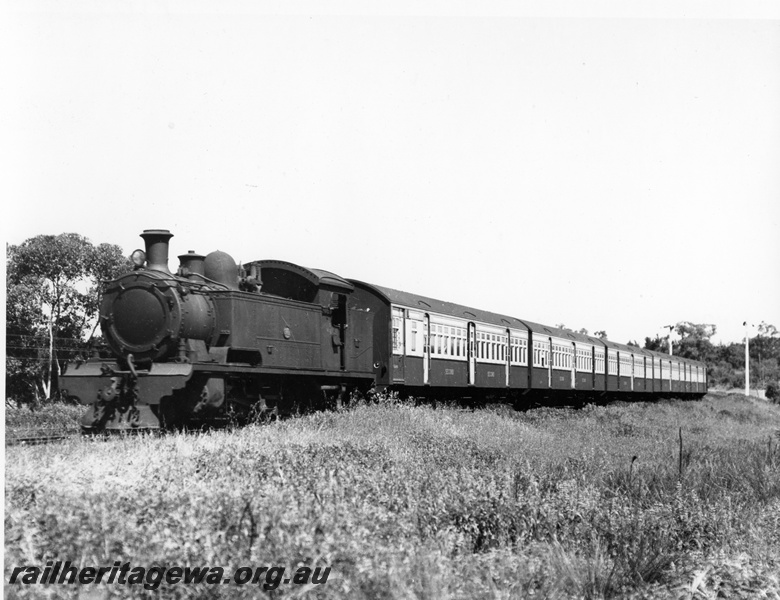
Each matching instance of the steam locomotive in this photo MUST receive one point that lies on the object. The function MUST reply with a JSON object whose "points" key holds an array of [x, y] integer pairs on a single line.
{"points": [[216, 341]]}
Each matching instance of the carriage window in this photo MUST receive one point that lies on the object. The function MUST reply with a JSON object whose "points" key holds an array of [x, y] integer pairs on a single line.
{"points": [[612, 364], [541, 354], [397, 324], [599, 358]]}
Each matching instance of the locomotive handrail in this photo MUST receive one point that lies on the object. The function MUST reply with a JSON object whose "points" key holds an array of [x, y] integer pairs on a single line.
{"points": [[131, 364], [171, 280]]}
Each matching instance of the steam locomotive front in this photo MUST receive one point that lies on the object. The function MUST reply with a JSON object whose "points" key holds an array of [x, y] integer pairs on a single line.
{"points": [[147, 313], [155, 323]]}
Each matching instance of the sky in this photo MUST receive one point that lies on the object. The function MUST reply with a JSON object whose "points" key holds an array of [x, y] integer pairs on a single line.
{"points": [[603, 165]]}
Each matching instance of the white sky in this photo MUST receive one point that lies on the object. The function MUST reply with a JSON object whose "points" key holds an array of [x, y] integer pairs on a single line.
{"points": [[605, 165]]}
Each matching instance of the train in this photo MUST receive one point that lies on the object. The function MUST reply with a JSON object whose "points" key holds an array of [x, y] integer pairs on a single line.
{"points": [[217, 342]]}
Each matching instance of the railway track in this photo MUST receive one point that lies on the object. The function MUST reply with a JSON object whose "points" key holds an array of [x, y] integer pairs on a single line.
{"points": [[32, 437]]}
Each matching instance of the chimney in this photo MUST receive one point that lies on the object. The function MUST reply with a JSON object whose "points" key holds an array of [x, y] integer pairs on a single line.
{"points": [[157, 249]]}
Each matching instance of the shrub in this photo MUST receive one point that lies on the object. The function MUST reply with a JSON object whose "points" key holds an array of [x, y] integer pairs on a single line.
{"points": [[773, 392]]}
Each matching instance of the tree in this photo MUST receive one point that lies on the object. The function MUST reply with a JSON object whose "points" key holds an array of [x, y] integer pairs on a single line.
{"points": [[602, 335], [108, 263], [52, 296], [766, 344], [657, 344], [726, 362], [765, 355], [694, 340], [767, 330], [25, 341]]}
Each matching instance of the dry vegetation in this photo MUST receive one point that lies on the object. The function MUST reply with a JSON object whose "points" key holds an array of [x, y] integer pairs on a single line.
{"points": [[415, 502], [60, 418]]}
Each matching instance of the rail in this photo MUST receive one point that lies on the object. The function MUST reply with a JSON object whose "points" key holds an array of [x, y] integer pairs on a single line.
{"points": [[30, 436]]}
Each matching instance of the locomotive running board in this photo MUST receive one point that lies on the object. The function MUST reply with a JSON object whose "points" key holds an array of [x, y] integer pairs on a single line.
{"points": [[84, 381]]}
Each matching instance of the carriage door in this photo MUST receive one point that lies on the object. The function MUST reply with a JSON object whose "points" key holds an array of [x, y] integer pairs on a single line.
{"points": [[426, 349], [574, 359], [339, 319], [472, 353], [550, 357], [508, 349], [398, 344]]}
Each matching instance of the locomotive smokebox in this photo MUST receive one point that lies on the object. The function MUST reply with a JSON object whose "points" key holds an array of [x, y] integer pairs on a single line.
{"points": [[157, 249]]}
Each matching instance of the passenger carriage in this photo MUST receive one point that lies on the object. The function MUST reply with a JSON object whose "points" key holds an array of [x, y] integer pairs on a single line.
{"points": [[420, 342], [431, 347]]}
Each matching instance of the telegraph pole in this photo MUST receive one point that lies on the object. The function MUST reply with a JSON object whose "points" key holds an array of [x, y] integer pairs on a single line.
{"points": [[747, 360], [670, 328]]}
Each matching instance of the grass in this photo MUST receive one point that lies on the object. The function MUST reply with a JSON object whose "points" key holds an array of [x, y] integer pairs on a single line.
{"points": [[411, 502]]}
